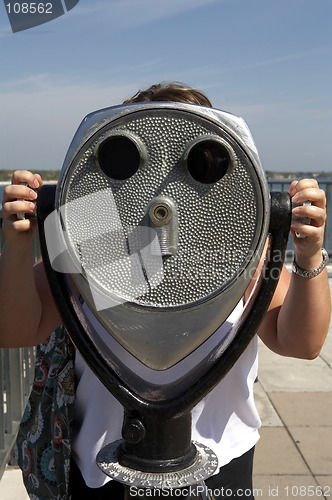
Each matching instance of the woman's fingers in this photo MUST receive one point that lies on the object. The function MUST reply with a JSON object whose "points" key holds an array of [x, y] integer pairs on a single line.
{"points": [[19, 202], [315, 195], [11, 209], [309, 216], [316, 215], [27, 177], [19, 191]]}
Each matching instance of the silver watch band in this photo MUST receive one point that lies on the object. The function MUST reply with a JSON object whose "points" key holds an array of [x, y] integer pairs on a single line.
{"points": [[313, 272]]}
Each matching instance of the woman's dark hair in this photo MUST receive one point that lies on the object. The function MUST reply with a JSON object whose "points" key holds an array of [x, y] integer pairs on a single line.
{"points": [[176, 92]]}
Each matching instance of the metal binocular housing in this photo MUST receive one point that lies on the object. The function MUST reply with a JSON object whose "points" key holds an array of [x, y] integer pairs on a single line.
{"points": [[159, 222]]}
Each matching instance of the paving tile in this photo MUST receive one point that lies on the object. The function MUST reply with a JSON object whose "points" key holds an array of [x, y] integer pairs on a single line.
{"points": [[326, 352], [285, 487], [267, 413], [277, 454], [315, 446], [11, 485], [280, 373], [303, 408], [326, 484]]}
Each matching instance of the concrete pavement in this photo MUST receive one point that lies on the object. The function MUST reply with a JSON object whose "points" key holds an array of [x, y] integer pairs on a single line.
{"points": [[293, 458]]}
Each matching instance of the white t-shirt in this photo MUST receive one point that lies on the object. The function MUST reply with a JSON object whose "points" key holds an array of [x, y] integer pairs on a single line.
{"points": [[226, 420]]}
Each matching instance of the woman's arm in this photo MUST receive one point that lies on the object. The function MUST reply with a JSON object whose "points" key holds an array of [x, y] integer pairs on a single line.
{"points": [[29, 314], [298, 317]]}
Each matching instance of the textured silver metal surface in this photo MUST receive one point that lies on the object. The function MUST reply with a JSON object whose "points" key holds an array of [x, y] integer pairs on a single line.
{"points": [[205, 465], [162, 295], [217, 222]]}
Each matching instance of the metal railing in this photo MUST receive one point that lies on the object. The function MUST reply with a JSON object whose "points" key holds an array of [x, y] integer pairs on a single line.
{"points": [[17, 365], [17, 368]]}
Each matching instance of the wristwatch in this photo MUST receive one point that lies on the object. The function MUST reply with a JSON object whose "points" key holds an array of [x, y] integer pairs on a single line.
{"points": [[313, 272]]}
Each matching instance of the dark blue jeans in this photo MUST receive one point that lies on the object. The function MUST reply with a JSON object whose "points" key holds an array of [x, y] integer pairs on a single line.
{"points": [[234, 480]]}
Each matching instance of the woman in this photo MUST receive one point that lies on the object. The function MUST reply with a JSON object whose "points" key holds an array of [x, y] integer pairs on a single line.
{"points": [[295, 324]]}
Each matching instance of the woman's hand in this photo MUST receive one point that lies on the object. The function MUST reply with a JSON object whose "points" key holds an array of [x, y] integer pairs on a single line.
{"points": [[30, 314], [308, 248], [20, 197], [298, 318]]}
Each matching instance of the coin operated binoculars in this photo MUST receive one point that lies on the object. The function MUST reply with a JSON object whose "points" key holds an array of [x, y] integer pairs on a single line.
{"points": [[158, 224]]}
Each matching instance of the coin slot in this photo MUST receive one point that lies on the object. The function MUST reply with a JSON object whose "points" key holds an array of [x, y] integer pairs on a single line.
{"points": [[160, 213]]}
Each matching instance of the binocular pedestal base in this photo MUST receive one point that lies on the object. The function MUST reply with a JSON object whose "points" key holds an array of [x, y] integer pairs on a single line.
{"points": [[204, 466]]}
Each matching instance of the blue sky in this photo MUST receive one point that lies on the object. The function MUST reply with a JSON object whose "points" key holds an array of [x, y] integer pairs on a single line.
{"points": [[267, 61]]}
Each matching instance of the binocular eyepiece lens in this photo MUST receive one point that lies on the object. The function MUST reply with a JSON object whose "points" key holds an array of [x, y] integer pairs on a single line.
{"points": [[208, 161], [119, 157]]}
